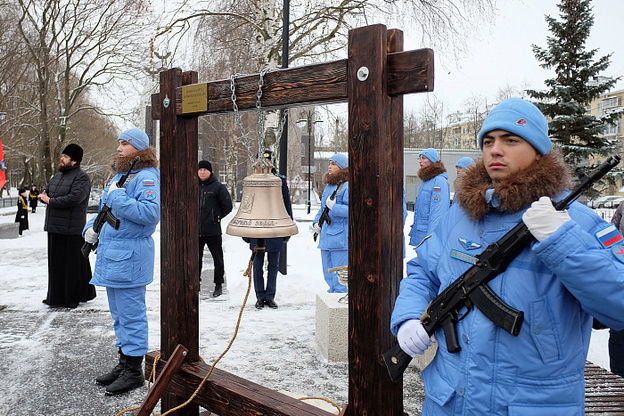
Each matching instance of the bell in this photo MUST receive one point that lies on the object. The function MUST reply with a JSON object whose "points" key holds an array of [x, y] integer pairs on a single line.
{"points": [[262, 213]]}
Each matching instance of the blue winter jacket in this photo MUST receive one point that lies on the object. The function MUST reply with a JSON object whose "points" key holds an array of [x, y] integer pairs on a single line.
{"points": [[335, 236], [433, 201], [125, 257], [559, 284]]}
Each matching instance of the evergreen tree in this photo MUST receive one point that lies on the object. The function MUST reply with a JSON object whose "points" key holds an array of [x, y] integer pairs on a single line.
{"points": [[567, 98]]}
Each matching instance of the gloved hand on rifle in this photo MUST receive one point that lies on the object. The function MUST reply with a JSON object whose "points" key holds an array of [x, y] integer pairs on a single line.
{"points": [[330, 202], [413, 338], [315, 229], [542, 219], [91, 236], [113, 187]]}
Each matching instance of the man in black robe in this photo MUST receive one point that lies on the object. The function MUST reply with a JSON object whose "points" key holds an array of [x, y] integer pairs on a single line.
{"points": [[67, 196]]}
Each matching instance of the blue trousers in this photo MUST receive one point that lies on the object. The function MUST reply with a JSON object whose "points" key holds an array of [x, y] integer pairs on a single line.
{"points": [[265, 292], [334, 258], [129, 312]]}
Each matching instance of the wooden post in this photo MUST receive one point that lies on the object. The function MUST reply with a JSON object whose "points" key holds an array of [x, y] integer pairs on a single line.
{"points": [[179, 274], [375, 219]]}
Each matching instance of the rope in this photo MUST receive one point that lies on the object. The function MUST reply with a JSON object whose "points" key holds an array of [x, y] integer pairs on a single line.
{"points": [[321, 398], [152, 377], [240, 316]]}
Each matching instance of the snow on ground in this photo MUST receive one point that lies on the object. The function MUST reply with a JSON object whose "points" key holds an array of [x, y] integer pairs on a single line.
{"points": [[50, 357]]}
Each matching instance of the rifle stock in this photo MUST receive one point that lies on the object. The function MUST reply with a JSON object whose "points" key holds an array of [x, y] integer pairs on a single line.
{"points": [[105, 215], [471, 288]]}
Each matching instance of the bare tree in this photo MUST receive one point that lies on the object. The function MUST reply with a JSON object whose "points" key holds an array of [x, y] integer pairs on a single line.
{"points": [[76, 47]]}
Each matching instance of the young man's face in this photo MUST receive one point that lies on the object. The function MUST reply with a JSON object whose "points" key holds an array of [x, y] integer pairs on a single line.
{"points": [[333, 167], [203, 174], [125, 149], [423, 161], [504, 154]]}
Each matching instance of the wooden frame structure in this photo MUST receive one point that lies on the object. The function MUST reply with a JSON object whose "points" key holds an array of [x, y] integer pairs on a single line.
{"points": [[372, 80]]}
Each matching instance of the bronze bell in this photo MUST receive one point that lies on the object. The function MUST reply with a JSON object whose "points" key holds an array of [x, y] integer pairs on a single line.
{"points": [[262, 213]]}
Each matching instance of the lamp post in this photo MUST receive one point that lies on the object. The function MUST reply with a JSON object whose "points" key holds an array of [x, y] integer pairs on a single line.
{"points": [[308, 121]]}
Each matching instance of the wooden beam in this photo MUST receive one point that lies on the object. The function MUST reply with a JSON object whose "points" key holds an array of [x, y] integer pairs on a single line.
{"points": [[162, 381], [325, 83], [375, 199], [228, 395], [179, 271]]}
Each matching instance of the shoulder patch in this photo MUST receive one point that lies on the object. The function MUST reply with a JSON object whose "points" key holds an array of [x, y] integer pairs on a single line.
{"points": [[618, 252], [149, 194], [148, 182], [608, 236]]}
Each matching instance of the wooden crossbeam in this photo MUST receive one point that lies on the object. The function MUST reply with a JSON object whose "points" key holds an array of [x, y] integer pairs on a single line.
{"points": [[228, 395], [325, 83], [162, 381]]}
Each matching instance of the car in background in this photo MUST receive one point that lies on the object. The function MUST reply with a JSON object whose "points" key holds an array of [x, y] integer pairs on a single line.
{"points": [[94, 200], [608, 201]]}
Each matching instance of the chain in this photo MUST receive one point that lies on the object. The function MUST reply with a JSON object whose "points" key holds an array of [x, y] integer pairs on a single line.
{"points": [[259, 112], [238, 117]]}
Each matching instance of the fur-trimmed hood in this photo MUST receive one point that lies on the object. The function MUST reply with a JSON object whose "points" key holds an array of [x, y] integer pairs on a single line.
{"points": [[548, 176], [148, 160], [341, 176], [427, 173]]}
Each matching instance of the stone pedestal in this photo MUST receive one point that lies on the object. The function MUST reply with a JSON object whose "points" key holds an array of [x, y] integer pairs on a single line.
{"points": [[9, 230], [332, 326]]}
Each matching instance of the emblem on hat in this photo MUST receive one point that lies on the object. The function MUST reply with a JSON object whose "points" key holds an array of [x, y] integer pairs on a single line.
{"points": [[522, 122]]}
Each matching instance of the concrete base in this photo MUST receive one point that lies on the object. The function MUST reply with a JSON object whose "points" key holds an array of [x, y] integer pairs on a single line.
{"points": [[332, 326], [9, 230]]}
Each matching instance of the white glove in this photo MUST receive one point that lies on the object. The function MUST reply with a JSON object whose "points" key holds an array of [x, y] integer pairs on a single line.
{"points": [[542, 219], [413, 338], [330, 202], [315, 229], [91, 236], [113, 187]]}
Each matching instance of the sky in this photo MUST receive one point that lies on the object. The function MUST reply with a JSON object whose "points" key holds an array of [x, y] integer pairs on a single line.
{"points": [[503, 55]]}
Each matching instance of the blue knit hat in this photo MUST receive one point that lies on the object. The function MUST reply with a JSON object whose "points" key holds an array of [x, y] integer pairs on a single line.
{"points": [[464, 162], [430, 154], [136, 137], [340, 160], [521, 118]]}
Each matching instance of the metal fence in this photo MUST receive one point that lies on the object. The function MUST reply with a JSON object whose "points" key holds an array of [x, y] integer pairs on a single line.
{"points": [[8, 202]]}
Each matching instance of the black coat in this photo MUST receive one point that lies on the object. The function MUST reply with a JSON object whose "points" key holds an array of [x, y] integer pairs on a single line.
{"points": [[69, 195], [214, 203], [22, 214]]}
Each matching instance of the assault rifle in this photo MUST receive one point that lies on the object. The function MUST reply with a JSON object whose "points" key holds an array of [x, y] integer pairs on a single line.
{"points": [[325, 215], [105, 215], [471, 288]]}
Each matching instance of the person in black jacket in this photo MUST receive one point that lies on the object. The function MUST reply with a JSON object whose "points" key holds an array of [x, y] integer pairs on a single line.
{"points": [[33, 195], [22, 211], [215, 203], [67, 196]]}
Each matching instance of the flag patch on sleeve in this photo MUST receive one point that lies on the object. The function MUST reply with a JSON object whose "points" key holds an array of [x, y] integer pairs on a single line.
{"points": [[609, 236], [437, 189], [148, 182]]}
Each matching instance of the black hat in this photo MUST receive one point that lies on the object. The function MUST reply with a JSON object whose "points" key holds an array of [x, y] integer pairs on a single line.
{"points": [[204, 164], [74, 152], [21, 190]]}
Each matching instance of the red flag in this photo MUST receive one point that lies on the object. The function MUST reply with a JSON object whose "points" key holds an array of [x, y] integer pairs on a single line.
{"points": [[2, 167]]}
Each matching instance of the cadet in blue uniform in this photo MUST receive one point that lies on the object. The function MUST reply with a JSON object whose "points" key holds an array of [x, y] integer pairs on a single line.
{"points": [[125, 257], [569, 274], [334, 237], [434, 196]]}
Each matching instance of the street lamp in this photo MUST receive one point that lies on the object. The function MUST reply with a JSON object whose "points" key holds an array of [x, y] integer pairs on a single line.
{"points": [[309, 121]]}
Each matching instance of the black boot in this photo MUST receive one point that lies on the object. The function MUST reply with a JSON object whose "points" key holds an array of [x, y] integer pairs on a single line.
{"points": [[130, 378], [108, 378]]}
